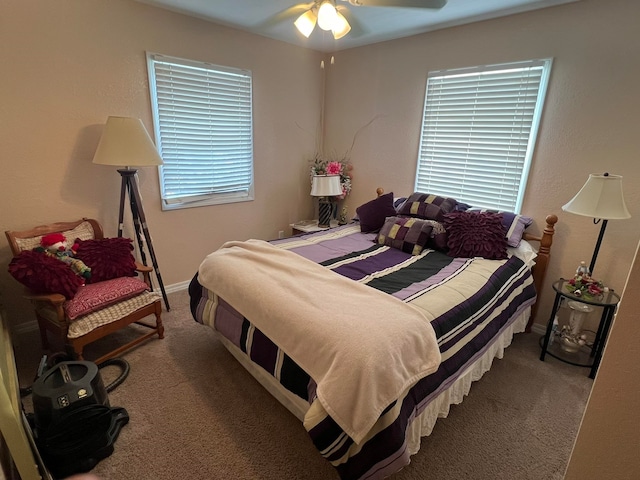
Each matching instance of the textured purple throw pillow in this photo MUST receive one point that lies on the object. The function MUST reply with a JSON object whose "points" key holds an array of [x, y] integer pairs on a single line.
{"points": [[372, 214], [405, 233], [476, 235], [513, 223], [44, 274], [108, 258]]}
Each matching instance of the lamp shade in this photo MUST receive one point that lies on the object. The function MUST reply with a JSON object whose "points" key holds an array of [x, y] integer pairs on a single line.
{"points": [[125, 142], [326, 15], [601, 197], [340, 26], [326, 186], [306, 23]]}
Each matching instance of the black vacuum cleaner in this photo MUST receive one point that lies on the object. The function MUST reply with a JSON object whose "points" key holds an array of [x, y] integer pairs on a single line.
{"points": [[74, 425]]}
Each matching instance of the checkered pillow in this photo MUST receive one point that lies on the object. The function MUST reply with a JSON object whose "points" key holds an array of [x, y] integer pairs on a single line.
{"points": [[405, 233], [427, 206]]}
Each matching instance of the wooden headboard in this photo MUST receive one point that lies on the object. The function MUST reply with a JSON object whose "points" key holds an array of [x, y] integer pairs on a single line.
{"points": [[542, 259]]}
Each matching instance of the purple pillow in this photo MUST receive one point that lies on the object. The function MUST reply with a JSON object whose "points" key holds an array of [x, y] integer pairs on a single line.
{"points": [[405, 233], [108, 258], [43, 274], [476, 234], [427, 206], [513, 223], [372, 214]]}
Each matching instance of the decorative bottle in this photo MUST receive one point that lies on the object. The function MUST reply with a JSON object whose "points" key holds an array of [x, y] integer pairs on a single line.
{"points": [[583, 270]]}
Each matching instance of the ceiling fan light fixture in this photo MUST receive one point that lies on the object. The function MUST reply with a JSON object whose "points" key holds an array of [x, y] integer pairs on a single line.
{"points": [[306, 23], [340, 27], [327, 15]]}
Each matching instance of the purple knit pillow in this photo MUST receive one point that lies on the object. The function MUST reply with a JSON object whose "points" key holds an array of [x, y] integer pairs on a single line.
{"points": [[514, 224], [427, 206], [476, 235], [372, 214], [405, 233], [42, 273], [108, 258]]}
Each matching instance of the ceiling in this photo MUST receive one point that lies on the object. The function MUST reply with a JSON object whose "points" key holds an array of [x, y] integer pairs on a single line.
{"points": [[274, 18]]}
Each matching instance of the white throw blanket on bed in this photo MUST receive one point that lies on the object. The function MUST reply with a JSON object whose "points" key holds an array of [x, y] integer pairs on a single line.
{"points": [[361, 346]]}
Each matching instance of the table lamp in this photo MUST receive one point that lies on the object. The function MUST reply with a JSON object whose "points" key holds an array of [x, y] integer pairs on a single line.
{"points": [[325, 186]]}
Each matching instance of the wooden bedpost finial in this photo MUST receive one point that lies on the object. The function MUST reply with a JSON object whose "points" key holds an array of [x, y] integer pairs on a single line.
{"points": [[379, 191]]}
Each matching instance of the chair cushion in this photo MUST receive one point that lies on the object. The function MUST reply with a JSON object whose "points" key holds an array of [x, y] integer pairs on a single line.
{"points": [[84, 231], [43, 274], [87, 323], [108, 258], [95, 296]]}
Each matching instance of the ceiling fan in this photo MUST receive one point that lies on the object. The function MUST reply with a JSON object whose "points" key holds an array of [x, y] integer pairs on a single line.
{"points": [[330, 15]]}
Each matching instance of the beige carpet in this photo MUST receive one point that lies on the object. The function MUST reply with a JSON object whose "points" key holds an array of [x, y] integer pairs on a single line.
{"points": [[195, 413]]}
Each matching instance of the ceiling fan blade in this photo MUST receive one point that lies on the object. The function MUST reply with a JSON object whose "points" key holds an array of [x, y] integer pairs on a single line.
{"points": [[290, 13], [435, 4]]}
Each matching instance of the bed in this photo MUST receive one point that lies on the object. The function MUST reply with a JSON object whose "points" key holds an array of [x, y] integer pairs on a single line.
{"points": [[368, 332]]}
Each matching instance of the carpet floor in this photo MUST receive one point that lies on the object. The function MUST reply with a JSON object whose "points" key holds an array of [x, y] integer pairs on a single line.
{"points": [[196, 413]]}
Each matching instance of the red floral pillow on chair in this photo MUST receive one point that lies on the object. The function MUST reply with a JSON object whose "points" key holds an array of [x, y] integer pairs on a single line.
{"points": [[95, 296], [108, 258]]}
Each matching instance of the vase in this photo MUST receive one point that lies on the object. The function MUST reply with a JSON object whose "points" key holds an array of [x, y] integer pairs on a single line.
{"points": [[571, 343]]}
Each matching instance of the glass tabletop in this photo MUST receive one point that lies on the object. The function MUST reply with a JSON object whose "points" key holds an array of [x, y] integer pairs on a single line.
{"points": [[608, 298]]}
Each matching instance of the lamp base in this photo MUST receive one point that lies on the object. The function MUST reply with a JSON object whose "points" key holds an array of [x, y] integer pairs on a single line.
{"points": [[324, 213]]}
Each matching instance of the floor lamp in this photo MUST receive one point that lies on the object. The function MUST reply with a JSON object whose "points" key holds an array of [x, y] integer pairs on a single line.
{"points": [[125, 142], [600, 198]]}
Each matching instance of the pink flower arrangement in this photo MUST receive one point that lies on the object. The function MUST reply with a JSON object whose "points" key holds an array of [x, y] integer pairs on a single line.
{"points": [[334, 167]]}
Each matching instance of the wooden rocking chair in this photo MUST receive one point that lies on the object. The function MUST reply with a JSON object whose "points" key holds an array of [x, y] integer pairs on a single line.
{"points": [[118, 313]]}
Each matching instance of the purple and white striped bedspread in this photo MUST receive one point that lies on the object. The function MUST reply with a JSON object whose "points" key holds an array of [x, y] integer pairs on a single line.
{"points": [[470, 302]]}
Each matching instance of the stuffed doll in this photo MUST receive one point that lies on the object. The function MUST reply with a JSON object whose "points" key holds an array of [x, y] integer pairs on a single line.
{"points": [[55, 245]]}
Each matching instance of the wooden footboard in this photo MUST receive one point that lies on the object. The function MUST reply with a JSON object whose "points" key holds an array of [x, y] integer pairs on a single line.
{"points": [[542, 260]]}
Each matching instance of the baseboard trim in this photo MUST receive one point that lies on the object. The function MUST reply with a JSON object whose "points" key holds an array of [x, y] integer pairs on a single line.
{"points": [[539, 329], [32, 326], [177, 287]]}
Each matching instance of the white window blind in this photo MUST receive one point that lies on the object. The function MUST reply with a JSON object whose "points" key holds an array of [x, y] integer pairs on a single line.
{"points": [[478, 132], [204, 132]]}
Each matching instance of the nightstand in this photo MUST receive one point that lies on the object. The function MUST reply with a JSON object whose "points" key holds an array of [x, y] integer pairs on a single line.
{"points": [[309, 226], [585, 356]]}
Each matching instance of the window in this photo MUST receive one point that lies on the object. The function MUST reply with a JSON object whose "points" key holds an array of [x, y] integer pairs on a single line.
{"points": [[478, 132], [203, 124]]}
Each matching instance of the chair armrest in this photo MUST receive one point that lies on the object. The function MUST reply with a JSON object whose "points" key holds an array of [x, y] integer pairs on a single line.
{"points": [[55, 300], [143, 268], [145, 271], [52, 298]]}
